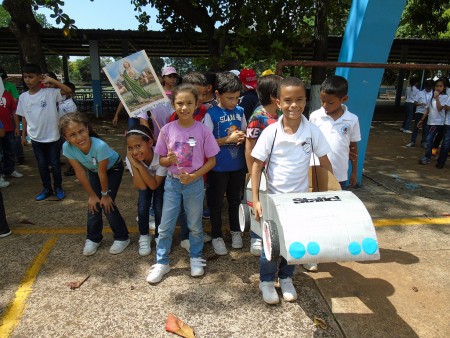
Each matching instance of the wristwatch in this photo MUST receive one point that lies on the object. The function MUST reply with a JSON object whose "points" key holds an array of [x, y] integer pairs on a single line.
{"points": [[105, 193]]}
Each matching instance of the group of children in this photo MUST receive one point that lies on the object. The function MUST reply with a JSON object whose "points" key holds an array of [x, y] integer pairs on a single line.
{"points": [[431, 108], [169, 155]]}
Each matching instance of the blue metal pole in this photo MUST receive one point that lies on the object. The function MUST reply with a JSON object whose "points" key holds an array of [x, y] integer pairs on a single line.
{"points": [[368, 37]]}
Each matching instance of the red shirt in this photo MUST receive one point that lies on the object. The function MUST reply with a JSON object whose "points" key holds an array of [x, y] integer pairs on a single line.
{"points": [[7, 108]]}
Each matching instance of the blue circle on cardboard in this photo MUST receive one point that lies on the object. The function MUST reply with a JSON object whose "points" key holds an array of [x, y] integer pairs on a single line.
{"points": [[313, 248], [354, 248], [297, 250], [369, 245]]}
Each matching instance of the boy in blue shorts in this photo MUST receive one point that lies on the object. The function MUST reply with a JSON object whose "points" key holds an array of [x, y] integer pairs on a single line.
{"points": [[287, 146]]}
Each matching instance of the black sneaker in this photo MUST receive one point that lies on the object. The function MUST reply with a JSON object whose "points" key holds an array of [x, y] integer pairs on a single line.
{"points": [[439, 165], [5, 233]]}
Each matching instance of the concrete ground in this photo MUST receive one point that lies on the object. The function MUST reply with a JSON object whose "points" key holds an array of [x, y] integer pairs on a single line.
{"points": [[405, 294]]}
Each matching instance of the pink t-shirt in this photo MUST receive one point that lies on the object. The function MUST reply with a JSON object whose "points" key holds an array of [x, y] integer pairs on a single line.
{"points": [[191, 145]]}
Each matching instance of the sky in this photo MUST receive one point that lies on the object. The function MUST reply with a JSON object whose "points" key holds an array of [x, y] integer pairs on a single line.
{"points": [[103, 14]]}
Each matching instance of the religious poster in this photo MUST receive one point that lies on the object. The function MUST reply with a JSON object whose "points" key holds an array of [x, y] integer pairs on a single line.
{"points": [[136, 83]]}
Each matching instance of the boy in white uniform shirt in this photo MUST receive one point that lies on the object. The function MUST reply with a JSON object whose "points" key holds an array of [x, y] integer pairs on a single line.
{"points": [[286, 147], [339, 126]]}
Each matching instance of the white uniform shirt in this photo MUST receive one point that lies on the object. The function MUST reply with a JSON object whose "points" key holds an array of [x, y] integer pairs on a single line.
{"points": [[411, 93], [41, 114], [154, 169], [437, 117], [67, 106], [423, 97], [289, 158], [339, 134]]}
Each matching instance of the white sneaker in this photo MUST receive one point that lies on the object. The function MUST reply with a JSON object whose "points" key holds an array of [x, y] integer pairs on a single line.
{"points": [[288, 290], [236, 240], [406, 131], [219, 246], [410, 144], [269, 293], [206, 238], [144, 245], [313, 267], [4, 184], [256, 246], [186, 245], [197, 265], [157, 272], [118, 246], [90, 247], [16, 174]]}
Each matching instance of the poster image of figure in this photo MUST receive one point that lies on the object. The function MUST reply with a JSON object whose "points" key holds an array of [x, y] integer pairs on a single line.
{"points": [[136, 83]]}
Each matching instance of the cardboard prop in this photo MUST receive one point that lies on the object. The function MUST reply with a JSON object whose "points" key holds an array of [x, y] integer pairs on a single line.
{"points": [[136, 83], [314, 227]]}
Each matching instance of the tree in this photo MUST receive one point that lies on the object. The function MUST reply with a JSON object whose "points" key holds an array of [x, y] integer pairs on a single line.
{"points": [[24, 26]]}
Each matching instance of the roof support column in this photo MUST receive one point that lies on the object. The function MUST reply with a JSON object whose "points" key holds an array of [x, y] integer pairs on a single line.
{"points": [[401, 76], [95, 76], [65, 63], [369, 34]]}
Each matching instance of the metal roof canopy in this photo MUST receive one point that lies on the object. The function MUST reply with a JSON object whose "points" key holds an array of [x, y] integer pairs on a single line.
{"points": [[163, 44]]}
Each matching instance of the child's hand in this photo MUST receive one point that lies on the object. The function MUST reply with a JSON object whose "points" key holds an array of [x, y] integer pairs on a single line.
{"points": [[241, 138], [172, 157], [134, 163], [235, 136], [257, 210], [186, 178], [46, 79], [420, 124], [107, 204], [93, 201]]}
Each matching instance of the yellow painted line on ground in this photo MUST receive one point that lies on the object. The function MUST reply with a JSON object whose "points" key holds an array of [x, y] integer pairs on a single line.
{"points": [[14, 310], [382, 222], [411, 221]]}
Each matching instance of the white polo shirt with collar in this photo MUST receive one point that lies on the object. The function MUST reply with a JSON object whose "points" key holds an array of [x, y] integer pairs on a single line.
{"points": [[339, 134]]}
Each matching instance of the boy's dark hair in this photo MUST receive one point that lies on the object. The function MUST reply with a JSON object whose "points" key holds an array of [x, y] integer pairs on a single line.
{"points": [[185, 87], [267, 88], [211, 79], [138, 130], [71, 86], [195, 79], [32, 68], [335, 85], [3, 73], [290, 82], [228, 83], [52, 75], [428, 84]]}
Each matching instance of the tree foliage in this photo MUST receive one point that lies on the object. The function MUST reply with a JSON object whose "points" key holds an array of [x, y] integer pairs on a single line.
{"points": [[425, 19]]}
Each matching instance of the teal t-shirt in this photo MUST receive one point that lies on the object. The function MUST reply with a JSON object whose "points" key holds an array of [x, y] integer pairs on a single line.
{"points": [[99, 151]]}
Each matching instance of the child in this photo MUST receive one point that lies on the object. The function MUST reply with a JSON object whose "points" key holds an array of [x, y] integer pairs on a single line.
{"points": [[183, 146], [421, 102], [227, 122], [169, 80], [4, 227], [436, 117], [148, 177], [249, 100], [339, 126], [67, 105], [411, 93], [7, 143], [37, 106], [263, 116], [105, 169], [201, 84], [210, 97], [445, 148], [287, 146]]}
